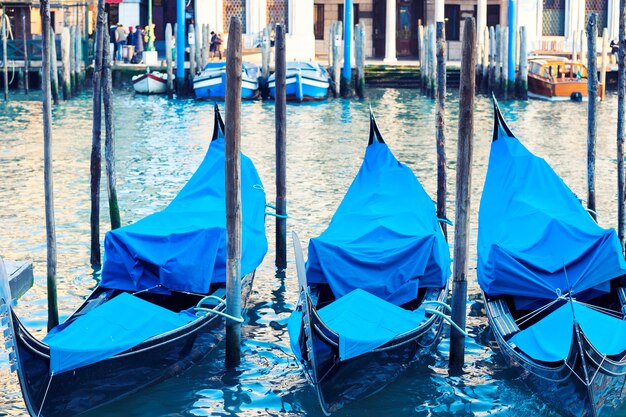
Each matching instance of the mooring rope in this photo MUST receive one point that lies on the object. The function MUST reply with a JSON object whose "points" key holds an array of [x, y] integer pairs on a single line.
{"points": [[45, 394]]}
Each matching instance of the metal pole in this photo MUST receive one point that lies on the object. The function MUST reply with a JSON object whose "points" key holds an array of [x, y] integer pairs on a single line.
{"points": [[233, 191], [150, 46], [180, 46], [592, 119], [512, 49], [280, 106], [53, 313], [463, 193]]}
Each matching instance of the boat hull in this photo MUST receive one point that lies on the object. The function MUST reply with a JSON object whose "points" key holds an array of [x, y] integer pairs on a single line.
{"points": [[213, 86], [542, 89], [85, 388], [338, 382], [302, 88], [562, 387], [150, 84]]}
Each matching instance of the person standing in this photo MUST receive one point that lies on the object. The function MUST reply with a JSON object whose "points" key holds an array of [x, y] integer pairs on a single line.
{"points": [[120, 40], [216, 45], [112, 34], [139, 45]]}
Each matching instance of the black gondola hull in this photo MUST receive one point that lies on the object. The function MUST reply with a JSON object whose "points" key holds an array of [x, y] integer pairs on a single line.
{"points": [[91, 386]]}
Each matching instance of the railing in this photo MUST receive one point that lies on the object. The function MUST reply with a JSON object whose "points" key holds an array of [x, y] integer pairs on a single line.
{"points": [[15, 49]]}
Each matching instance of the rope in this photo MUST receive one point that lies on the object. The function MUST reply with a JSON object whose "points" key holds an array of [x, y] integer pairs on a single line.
{"points": [[605, 310], [45, 394]]}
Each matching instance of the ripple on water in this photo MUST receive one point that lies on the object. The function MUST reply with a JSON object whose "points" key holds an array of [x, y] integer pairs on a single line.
{"points": [[160, 142]]}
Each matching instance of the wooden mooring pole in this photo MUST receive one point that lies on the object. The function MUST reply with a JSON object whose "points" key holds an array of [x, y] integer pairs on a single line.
{"points": [[96, 133], [592, 117], [65, 60], [492, 60], [440, 126], [497, 87], [505, 63], [522, 84], [336, 57], [109, 125], [54, 70], [206, 44], [168, 58], [198, 49], [25, 51], [621, 97], [72, 54], [463, 194], [605, 50], [192, 54], [484, 85], [233, 191], [51, 244], [280, 106], [5, 59], [359, 42]]}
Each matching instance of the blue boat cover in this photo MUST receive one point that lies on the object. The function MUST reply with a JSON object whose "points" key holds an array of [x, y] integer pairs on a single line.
{"points": [[183, 247], [535, 239], [363, 322], [384, 238], [109, 329], [550, 339]]}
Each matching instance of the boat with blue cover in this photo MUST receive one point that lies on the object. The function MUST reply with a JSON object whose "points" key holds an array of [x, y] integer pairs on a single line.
{"points": [[554, 283], [211, 82], [373, 292], [160, 305], [305, 81]]}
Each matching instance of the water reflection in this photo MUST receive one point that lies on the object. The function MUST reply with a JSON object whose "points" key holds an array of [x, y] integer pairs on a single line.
{"points": [[159, 145]]}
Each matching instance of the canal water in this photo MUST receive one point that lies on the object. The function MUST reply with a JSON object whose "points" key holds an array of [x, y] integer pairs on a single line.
{"points": [[159, 143]]}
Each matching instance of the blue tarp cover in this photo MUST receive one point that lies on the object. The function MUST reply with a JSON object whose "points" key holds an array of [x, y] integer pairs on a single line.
{"points": [[384, 236], [551, 338], [363, 322], [534, 234], [184, 246], [109, 329]]}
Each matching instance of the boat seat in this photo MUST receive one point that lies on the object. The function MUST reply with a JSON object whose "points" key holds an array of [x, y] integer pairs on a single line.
{"points": [[365, 322], [502, 318]]}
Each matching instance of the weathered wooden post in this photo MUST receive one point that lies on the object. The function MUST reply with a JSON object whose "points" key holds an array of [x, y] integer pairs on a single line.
{"points": [[280, 106], [54, 70], [233, 191], [463, 194], [621, 97], [65, 60], [80, 76], [109, 124], [198, 48], [479, 66], [522, 90], [337, 57], [72, 54], [96, 141], [25, 51], [574, 54], [359, 40], [484, 87], [424, 63], [605, 50], [420, 48], [497, 87], [440, 126], [192, 54], [51, 244], [505, 62], [266, 49], [492, 60], [592, 117], [432, 61], [206, 45], [5, 59], [168, 58]]}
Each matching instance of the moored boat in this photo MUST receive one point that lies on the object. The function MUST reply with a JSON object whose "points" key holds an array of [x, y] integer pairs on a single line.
{"points": [[553, 281], [150, 83], [211, 82], [373, 291], [160, 305], [555, 78], [304, 81]]}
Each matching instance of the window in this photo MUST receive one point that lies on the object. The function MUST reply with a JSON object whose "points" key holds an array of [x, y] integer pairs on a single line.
{"points": [[355, 15], [452, 14], [493, 15], [318, 21], [553, 18]]}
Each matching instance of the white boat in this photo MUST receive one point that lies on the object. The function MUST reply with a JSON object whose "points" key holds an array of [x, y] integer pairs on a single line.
{"points": [[151, 83]]}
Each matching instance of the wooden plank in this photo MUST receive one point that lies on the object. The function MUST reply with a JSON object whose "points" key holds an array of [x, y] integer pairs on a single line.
{"points": [[21, 277]]}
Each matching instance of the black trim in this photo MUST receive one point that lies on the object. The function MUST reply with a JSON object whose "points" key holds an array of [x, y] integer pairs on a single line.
{"points": [[218, 124], [498, 121], [375, 135]]}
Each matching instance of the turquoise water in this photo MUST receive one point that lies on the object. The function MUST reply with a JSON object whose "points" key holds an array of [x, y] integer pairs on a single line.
{"points": [[161, 142]]}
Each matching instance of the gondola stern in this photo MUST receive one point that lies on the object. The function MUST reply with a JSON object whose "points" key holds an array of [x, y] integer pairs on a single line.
{"points": [[375, 135], [500, 127], [218, 125]]}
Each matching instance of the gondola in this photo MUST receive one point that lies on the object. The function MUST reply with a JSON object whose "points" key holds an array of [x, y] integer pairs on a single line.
{"points": [[304, 81], [373, 292], [211, 82], [160, 305], [553, 281]]}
